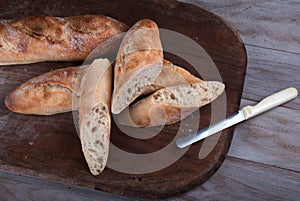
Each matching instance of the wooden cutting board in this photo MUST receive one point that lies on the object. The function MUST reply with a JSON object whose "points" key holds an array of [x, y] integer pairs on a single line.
{"points": [[49, 147]]}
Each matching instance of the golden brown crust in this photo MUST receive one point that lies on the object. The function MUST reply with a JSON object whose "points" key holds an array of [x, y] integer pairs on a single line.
{"points": [[161, 108], [47, 94], [95, 86], [146, 113], [42, 100], [139, 48], [138, 64], [94, 114], [171, 75], [67, 81], [96, 24], [36, 39], [65, 77], [157, 115], [48, 28]]}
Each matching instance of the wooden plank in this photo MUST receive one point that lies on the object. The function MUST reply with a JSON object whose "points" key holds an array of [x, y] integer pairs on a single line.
{"points": [[243, 180], [19, 187], [235, 180], [272, 23], [49, 148], [269, 71], [271, 138]]}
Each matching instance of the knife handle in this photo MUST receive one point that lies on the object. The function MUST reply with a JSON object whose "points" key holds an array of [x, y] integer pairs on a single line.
{"points": [[270, 102]]}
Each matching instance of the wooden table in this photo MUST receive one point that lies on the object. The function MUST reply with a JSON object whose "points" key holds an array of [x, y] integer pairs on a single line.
{"points": [[264, 160]]}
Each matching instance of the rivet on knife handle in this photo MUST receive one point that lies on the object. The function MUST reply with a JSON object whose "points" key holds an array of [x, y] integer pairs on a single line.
{"points": [[243, 114]]}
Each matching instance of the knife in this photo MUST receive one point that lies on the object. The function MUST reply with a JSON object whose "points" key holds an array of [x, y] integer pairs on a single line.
{"points": [[245, 113]]}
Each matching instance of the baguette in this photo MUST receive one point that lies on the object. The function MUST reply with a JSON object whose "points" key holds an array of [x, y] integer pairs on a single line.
{"points": [[52, 92], [171, 104], [37, 39], [47, 94], [94, 114], [139, 62], [171, 75]]}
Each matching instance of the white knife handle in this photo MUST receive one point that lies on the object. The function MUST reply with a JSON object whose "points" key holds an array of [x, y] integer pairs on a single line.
{"points": [[270, 102]]}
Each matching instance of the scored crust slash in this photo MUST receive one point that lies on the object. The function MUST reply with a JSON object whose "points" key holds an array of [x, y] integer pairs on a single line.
{"points": [[167, 93], [36, 39]]}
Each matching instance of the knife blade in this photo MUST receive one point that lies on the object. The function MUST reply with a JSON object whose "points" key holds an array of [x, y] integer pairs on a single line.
{"points": [[243, 114]]}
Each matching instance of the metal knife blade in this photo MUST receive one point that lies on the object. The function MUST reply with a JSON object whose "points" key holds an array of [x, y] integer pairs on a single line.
{"points": [[243, 114], [219, 126]]}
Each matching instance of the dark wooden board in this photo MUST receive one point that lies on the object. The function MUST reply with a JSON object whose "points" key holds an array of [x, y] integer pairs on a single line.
{"points": [[49, 148]]}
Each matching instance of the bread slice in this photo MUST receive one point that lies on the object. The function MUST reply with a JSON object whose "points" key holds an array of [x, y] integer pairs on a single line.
{"points": [[45, 38], [47, 94], [139, 62], [94, 114], [171, 104], [171, 75]]}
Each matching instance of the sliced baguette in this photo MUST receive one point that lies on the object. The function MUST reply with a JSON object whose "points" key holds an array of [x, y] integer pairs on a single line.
{"points": [[139, 62], [94, 114], [47, 94], [171, 75], [171, 104], [52, 92]]}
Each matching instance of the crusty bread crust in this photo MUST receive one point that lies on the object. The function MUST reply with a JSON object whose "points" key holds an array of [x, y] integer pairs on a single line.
{"points": [[139, 62], [94, 114], [171, 104], [47, 94], [52, 92], [37, 39], [171, 75]]}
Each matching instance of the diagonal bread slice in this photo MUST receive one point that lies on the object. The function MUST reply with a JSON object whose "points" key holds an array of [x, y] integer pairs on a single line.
{"points": [[139, 62], [94, 114], [171, 104], [47, 94], [171, 75]]}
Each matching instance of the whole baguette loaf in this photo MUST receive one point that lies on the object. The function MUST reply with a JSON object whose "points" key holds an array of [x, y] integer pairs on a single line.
{"points": [[171, 104], [47, 94], [36, 39], [138, 63], [94, 114]]}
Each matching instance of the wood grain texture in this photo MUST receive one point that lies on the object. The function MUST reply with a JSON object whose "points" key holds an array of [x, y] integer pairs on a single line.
{"points": [[270, 71], [23, 188], [260, 24], [271, 138], [270, 24], [244, 180], [236, 180], [270, 31], [49, 148]]}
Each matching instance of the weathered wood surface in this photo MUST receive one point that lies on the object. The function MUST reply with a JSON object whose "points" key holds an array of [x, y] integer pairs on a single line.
{"points": [[270, 31], [271, 138], [236, 180], [244, 180], [270, 71], [271, 24], [49, 148], [23, 188], [263, 163]]}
